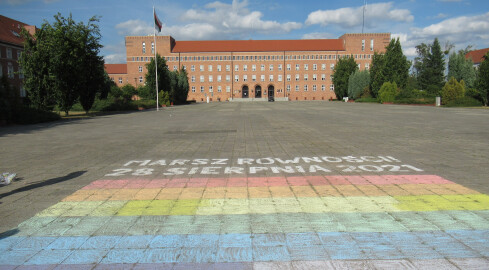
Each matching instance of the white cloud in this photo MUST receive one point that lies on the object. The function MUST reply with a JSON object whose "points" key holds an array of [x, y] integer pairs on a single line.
{"points": [[215, 20], [319, 35], [352, 16]]}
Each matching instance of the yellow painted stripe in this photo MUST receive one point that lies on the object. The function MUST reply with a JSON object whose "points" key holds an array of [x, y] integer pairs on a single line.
{"points": [[270, 205], [267, 192]]}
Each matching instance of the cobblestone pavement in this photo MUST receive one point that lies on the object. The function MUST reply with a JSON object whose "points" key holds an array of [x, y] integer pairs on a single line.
{"points": [[284, 185]]}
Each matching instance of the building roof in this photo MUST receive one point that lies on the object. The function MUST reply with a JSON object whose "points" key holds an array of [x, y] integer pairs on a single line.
{"points": [[477, 55], [259, 45], [10, 30], [116, 68]]}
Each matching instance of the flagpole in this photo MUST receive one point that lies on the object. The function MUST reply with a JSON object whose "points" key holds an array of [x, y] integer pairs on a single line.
{"points": [[156, 59]]}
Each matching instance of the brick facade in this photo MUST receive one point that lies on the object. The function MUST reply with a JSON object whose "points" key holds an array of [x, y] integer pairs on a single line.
{"points": [[223, 70]]}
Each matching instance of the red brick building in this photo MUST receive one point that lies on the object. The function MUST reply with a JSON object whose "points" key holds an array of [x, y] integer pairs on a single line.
{"points": [[252, 69], [477, 56], [11, 46]]}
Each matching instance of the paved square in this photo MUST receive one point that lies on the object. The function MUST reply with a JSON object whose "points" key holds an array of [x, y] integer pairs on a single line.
{"points": [[299, 185]]}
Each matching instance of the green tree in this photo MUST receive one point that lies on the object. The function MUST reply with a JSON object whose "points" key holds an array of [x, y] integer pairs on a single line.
{"points": [[452, 90], [377, 77], [430, 66], [163, 77], [483, 79], [388, 92], [61, 63], [358, 81], [182, 86], [8, 100], [342, 71], [462, 69], [396, 66], [128, 91]]}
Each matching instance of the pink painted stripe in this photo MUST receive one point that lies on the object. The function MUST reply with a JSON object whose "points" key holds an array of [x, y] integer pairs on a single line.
{"points": [[269, 181]]}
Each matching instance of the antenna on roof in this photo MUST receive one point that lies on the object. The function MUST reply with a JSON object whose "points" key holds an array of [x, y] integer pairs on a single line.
{"points": [[363, 18]]}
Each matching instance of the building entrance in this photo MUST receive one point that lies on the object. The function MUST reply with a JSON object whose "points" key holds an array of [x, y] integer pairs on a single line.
{"points": [[271, 91], [258, 91], [245, 92]]}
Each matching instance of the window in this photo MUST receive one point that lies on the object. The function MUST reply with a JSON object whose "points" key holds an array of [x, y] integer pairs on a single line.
{"points": [[305, 88], [236, 67], [193, 89], [245, 78], [193, 78], [314, 77], [219, 89], [363, 45], [331, 87], [152, 47], [323, 87], [175, 68], [211, 79], [297, 77], [367, 66], [22, 92], [271, 68], [280, 67], [314, 67], [18, 55], [228, 68], [210, 67], [236, 78], [288, 87], [323, 66], [140, 79], [253, 78], [270, 78], [371, 44], [331, 66], [211, 89], [262, 67], [306, 77], [306, 67], [297, 67], [253, 68], [201, 67], [297, 88], [228, 88], [144, 47], [120, 80], [262, 78], [21, 73], [218, 67], [9, 53], [228, 78], [330, 77], [201, 78], [288, 66], [140, 68], [245, 67], [219, 78], [314, 88], [279, 78], [10, 70], [359, 66], [202, 89], [192, 67]]}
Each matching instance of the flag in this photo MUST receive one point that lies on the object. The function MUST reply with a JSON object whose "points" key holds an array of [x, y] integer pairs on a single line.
{"points": [[158, 24]]}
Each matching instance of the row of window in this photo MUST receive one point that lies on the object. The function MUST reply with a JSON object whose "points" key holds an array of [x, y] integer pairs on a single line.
{"points": [[10, 54], [288, 88], [11, 71], [262, 78], [253, 58], [254, 67]]}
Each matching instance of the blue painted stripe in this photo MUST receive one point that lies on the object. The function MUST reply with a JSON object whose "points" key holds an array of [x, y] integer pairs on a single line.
{"points": [[215, 248]]}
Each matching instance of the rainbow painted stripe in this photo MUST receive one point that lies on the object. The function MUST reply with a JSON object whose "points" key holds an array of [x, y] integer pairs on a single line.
{"points": [[244, 222]]}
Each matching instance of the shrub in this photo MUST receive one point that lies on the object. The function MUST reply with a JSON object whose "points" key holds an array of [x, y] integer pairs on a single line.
{"points": [[388, 92], [164, 98], [452, 90], [464, 102], [128, 91], [367, 99], [357, 82]]}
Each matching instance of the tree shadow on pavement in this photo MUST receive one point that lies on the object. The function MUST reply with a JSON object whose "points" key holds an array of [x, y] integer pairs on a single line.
{"points": [[48, 182]]}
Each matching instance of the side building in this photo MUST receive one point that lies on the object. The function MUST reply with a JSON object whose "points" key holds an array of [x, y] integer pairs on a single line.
{"points": [[253, 69], [11, 46]]}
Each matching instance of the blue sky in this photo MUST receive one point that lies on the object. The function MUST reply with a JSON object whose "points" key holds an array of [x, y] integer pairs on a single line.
{"points": [[461, 22]]}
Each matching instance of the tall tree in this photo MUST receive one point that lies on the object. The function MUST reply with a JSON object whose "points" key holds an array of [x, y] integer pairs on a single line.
{"points": [[430, 67], [396, 66], [181, 92], [377, 77], [483, 79], [164, 79], [462, 69], [358, 81], [342, 71]]}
